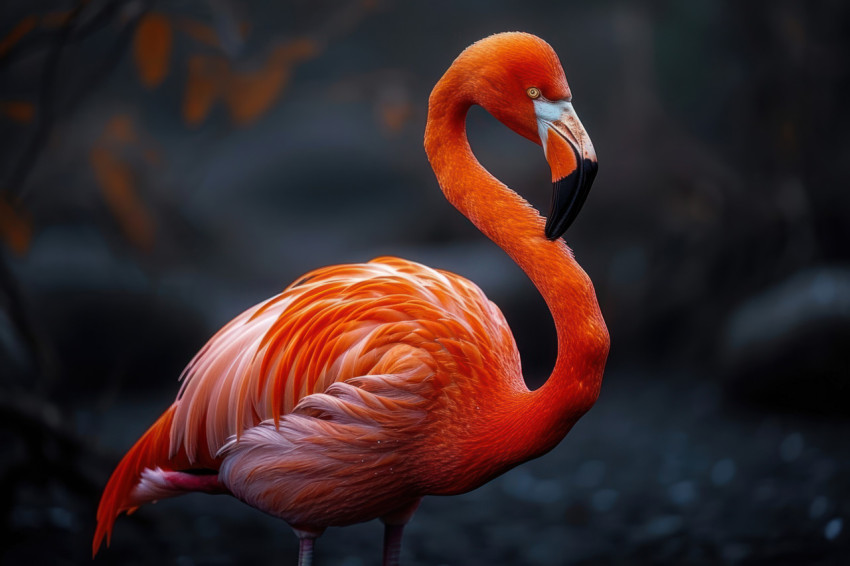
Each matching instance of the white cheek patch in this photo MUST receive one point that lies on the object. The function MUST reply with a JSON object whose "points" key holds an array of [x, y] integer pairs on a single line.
{"points": [[547, 112], [550, 111]]}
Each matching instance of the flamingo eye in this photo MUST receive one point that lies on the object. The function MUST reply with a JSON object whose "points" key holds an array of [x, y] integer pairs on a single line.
{"points": [[533, 92]]}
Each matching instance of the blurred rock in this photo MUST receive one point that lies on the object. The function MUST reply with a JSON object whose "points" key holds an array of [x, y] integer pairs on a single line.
{"points": [[791, 447], [819, 506], [590, 474], [723, 472], [604, 499], [787, 346], [663, 526], [833, 528], [683, 493]]}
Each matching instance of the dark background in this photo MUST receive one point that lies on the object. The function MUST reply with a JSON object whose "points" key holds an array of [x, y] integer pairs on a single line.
{"points": [[166, 165]]}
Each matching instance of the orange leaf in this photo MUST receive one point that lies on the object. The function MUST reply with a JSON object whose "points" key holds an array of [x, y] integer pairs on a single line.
{"points": [[295, 51], [55, 19], [200, 32], [117, 185], [250, 95], [204, 33], [152, 48], [21, 29], [15, 228], [201, 87], [120, 129], [18, 110], [152, 157], [244, 29], [395, 115]]}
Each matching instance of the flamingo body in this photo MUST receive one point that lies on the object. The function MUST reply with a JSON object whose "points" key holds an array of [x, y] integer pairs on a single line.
{"points": [[362, 388]]}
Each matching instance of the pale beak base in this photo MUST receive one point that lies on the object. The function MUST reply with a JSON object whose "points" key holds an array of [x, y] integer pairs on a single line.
{"points": [[572, 159]]}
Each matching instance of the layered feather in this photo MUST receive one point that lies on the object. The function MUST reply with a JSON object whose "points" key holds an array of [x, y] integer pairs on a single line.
{"points": [[299, 389]]}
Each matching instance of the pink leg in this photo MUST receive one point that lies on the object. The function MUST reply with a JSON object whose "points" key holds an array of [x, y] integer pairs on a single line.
{"points": [[392, 544], [305, 552], [183, 481], [393, 527]]}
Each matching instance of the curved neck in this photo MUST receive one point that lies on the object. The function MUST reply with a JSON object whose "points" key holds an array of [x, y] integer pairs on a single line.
{"points": [[515, 226]]}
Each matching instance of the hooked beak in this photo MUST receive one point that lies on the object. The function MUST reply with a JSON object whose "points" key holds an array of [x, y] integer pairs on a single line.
{"points": [[572, 159]]}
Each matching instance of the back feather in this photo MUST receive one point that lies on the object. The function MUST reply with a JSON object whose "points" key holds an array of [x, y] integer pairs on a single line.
{"points": [[334, 324]]}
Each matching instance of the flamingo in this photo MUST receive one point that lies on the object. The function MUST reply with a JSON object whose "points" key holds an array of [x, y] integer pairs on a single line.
{"points": [[361, 388]]}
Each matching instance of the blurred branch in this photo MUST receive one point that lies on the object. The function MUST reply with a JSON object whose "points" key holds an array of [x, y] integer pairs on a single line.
{"points": [[227, 26], [31, 43], [342, 21], [112, 59], [46, 115], [16, 181]]}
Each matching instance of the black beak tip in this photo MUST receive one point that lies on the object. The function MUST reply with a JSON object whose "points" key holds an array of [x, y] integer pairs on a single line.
{"points": [[568, 196], [551, 233]]}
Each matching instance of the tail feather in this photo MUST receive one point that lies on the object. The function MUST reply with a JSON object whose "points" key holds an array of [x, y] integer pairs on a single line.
{"points": [[150, 452]]}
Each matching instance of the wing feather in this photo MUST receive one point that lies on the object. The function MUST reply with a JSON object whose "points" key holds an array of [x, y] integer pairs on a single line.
{"points": [[333, 324], [381, 328]]}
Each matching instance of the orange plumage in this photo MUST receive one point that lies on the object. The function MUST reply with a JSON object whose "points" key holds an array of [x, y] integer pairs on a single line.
{"points": [[362, 388]]}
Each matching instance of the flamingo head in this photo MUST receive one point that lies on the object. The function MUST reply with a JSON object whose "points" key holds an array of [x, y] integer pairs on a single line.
{"points": [[518, 78]]}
